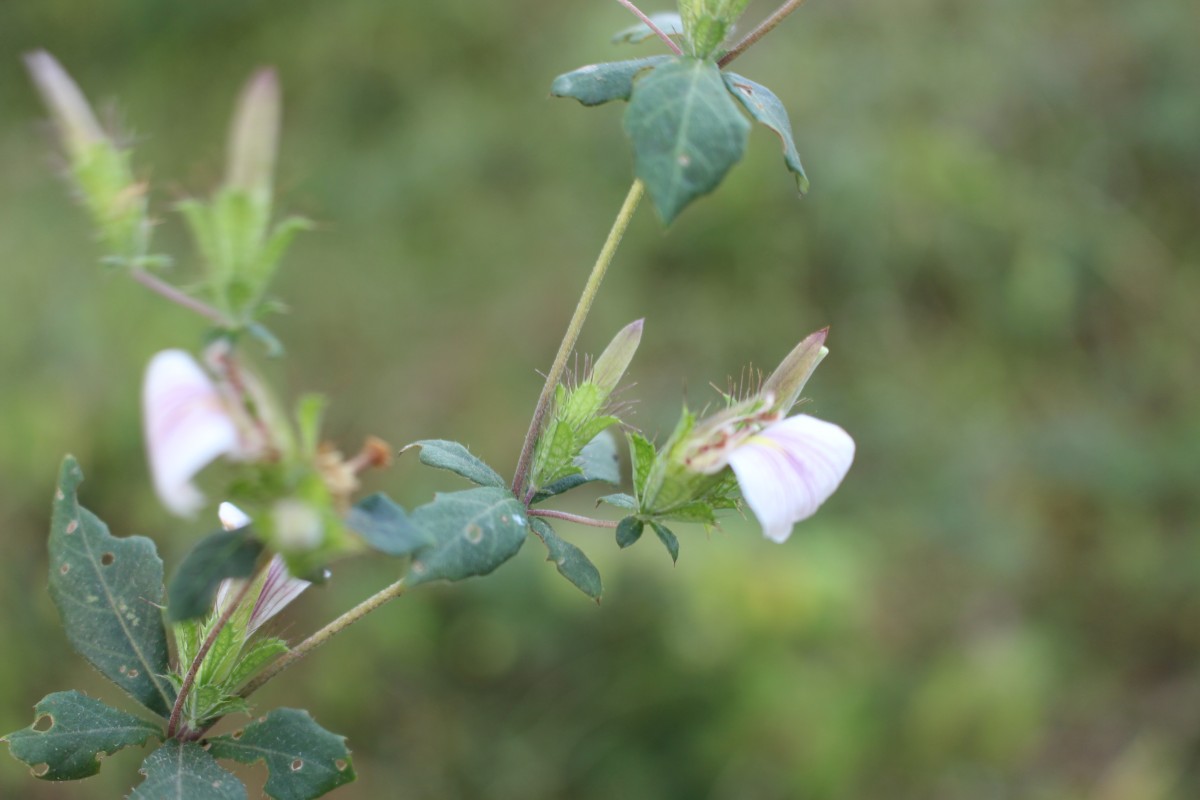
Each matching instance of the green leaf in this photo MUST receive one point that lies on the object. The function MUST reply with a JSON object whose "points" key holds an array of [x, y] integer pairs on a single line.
{"points": [[629, 530], [249, 663], [303, 759], [597, 461], [643, 455], [455, 457], [475, 531], [225, 554], [71, 732], [184, 771], [668, 539], [601, 83], [686, 131], [700, 511], [667, 21], [625, 501], [765, 107], [108, 592], [385, 526], [571, 562]]}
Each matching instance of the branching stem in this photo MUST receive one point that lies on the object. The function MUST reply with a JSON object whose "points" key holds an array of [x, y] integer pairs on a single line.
{"points": [[563, 515], [649, 23], [572, 335], [324, 635], [762, 30], [175, 295]]}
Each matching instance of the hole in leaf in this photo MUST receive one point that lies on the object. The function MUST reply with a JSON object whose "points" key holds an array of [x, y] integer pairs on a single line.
{"points": [[340, 764], [43, 723], [72, 526], [133, 673], [64, 569], [237, 734], [474, 533], [296, 765], [107, 559], [40, 769]]}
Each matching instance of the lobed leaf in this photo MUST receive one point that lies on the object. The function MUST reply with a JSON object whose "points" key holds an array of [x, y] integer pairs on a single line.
{"points": [[570, 561], [71, 733], [686, 132], [602, 83], [385, 526], [303, 759], [184, 771], [225, 554], [597, 461], [474, 531], [765, 107], [455, 457], [108, 592]]}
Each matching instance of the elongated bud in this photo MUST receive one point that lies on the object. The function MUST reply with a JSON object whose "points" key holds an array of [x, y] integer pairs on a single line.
{"points": [[706, 22], [788, 380], [73, 116], [611, 365], [254, 135]]}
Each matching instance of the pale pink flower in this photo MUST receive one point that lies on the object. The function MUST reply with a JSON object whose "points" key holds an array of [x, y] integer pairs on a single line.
{"points": [[188, 425], [788, 469], [278, 586]]}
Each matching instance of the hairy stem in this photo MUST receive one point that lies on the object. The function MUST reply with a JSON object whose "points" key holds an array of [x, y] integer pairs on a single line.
{"points": [[572, 335], [161, 287], [563, 515], [324, 635], [762, 30], [189, 680], [650, 24]]}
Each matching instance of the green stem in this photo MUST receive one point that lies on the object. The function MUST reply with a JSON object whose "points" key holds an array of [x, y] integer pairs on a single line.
{"points": [[649, 23], [572, 336], [324, 635], [550, 513], [762, 30], [164, 289]]}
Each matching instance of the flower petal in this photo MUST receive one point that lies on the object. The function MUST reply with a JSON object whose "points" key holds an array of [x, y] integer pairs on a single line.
{"points": [[232, 517], [788, 470], [187, 427], [278, 589]]}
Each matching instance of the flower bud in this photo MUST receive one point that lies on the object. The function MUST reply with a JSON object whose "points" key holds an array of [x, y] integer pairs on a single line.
{"points": [[787, 381], [611, 365], [254, 135], [73, 116]]}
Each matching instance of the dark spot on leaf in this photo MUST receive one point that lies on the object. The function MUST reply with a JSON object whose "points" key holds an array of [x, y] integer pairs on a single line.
{"points": [[296, 765], [237, 734], [40, 769], [64, 569], [48, 723], [133, 673], [474, 533], [72, 526], [107, 559], [341, 764]]}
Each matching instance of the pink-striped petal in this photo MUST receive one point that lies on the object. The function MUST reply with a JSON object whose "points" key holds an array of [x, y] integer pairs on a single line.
{"points": [[279, 588], [231, 518], [789, 469], [187, 426]]}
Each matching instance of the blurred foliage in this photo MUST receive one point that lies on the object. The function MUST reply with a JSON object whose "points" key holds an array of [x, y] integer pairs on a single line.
{"points": [[1002, 601]]}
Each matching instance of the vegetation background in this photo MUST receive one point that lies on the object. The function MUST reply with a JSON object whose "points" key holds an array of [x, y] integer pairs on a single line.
{"points": [[1003, 600]]}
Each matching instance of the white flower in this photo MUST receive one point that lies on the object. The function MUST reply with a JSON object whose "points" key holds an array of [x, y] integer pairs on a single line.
{"points": [[788, 469], [277, 589], [188, 424]]}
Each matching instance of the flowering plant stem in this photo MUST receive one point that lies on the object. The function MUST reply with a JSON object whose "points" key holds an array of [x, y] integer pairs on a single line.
{"points": [[164, 289], [572, 336], [324, 635], [568, 517], [189, 680], [649, 23], [765, 27]]}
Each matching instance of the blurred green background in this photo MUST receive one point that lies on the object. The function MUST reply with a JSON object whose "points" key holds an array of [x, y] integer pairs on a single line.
{"points": [[1002, 601]]}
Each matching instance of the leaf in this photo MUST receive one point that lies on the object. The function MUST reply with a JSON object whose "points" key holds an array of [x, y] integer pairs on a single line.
{"points": [[625, 501], [643, 455], [71, 732], [184, 771], [765, 107], [303, 759], [571, 562], [629, 530], [668, 539], [699, 511], [249, 663], [385, 526], [475, 531], [225, 554], [667, 21], [597, 461], [686, 131], [455, 457], [108, 592], [601, 83]]}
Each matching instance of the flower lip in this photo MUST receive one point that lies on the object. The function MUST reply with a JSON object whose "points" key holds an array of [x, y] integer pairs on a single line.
{"points": [[789, 469]]}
